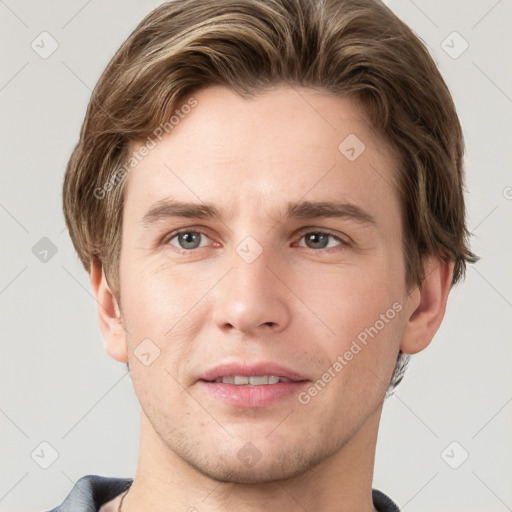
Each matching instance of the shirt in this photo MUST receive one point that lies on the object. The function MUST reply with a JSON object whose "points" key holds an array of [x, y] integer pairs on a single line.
{"points": [[93, 491]]}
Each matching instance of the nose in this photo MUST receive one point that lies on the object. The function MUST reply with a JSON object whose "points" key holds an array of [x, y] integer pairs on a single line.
{"points": [[252, 297]]}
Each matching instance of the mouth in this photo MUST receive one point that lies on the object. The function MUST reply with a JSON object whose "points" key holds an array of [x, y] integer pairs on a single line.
{"points": [[252, 385], [252, 380]]}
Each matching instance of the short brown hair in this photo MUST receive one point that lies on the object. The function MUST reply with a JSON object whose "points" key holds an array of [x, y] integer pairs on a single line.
{"points": [[355, 48]]}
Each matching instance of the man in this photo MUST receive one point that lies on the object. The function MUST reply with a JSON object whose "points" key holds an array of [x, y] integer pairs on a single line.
{"points": [[268, 198]]}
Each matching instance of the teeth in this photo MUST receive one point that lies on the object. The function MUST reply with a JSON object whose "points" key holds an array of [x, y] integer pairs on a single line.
{"points": [[244, 380], [256, 381]]}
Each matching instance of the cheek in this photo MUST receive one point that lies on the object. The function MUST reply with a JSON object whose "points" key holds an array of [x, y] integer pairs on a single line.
{"points": [[162, 305], [349, 299], [155, 294], [362, 308]]}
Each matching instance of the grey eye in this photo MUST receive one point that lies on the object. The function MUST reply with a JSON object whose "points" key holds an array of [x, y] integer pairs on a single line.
{"points": [[187, 240], [319, 240]]}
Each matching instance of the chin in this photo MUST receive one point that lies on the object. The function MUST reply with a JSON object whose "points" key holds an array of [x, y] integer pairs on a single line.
{"points": [[261, 473], [255, 464]]}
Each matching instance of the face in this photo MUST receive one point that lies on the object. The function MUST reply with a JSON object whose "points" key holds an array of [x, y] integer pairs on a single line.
{"points": [[262, 238]]}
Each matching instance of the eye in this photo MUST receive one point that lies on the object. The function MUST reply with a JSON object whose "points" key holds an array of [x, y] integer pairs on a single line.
{"points": [[187, 239], [320, 240], [192, 239]]}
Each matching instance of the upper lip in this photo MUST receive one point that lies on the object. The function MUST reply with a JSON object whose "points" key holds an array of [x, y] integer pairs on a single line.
{"points": [[250, 369]]}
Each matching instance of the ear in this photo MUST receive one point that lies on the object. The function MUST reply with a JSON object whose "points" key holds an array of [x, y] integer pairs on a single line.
{"points": [[426, 305], [109, 315]]}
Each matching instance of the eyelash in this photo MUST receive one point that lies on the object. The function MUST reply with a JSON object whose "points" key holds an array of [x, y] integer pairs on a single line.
{"points": [[174, 234]]}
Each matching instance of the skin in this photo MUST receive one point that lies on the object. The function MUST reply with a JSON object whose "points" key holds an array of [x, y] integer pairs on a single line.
{"points": [[250, 158]]}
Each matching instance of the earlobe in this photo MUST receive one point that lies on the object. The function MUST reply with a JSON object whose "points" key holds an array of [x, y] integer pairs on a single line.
{"points": [[109, 315], [427, 305]]}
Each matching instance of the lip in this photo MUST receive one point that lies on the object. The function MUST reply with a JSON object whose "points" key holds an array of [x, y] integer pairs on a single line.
{"points": [[251, 370], [251, 396]]}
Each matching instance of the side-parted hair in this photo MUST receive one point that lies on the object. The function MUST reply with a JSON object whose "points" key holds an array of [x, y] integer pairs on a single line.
{"points": [[355, 48]]}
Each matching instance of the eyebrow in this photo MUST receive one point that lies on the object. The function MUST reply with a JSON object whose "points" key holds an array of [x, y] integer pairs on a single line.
{"points": [[167, 208]]}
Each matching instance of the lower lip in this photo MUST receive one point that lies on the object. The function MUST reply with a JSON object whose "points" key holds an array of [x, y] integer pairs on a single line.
{"points": [[252, 396]]}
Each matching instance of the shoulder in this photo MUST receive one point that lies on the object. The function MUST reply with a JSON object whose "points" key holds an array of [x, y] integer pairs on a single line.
{"points": [[92, 491], [383, 503]]}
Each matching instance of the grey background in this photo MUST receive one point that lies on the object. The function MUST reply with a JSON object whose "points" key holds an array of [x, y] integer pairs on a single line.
{"points": [[59, 386]]}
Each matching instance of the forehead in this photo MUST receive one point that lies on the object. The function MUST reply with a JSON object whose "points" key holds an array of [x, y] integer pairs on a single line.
{"points": [[257, 154]]}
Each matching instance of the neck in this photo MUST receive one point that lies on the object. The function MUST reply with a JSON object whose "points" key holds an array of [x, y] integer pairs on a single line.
{"points": [[343, 481]]}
